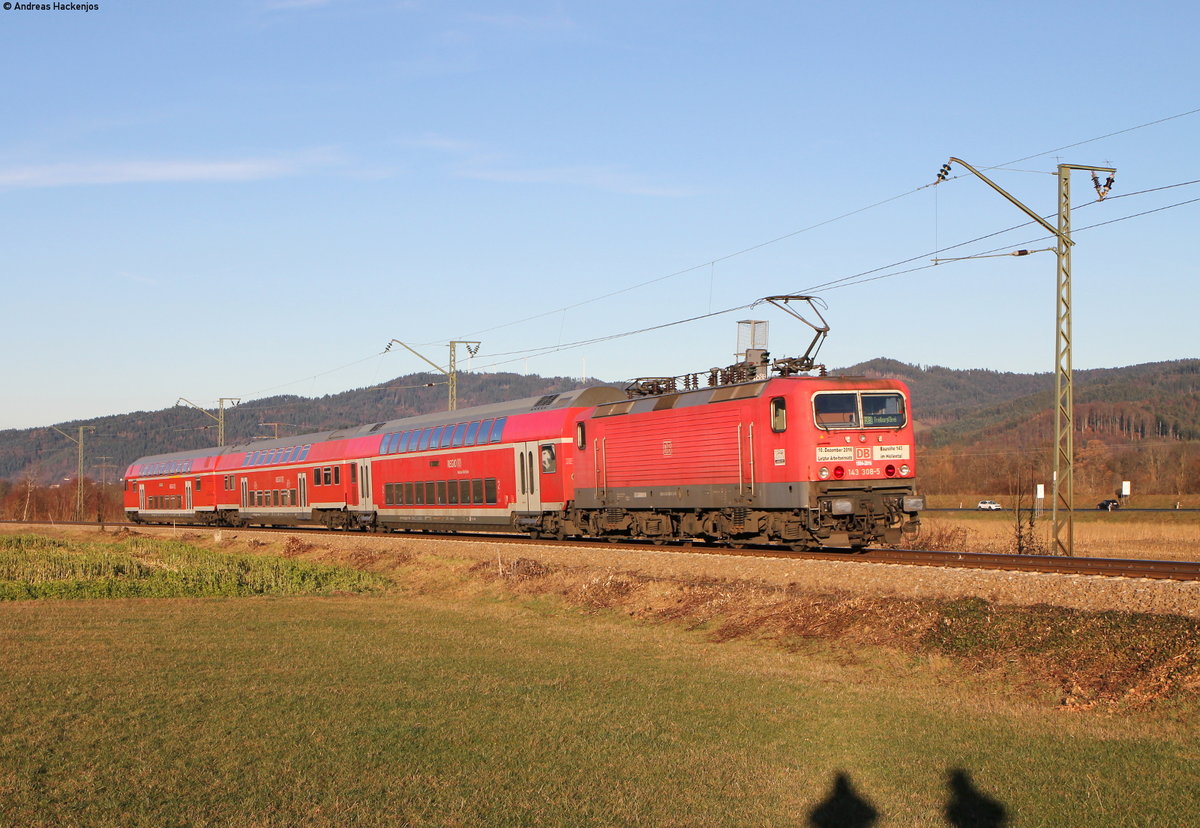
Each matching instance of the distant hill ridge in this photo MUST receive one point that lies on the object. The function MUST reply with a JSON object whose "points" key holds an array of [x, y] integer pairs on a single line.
{"points": [[1159, 401]]}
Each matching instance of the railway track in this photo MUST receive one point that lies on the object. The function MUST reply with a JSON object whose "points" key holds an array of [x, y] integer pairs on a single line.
{"points": [[1106, 567]]}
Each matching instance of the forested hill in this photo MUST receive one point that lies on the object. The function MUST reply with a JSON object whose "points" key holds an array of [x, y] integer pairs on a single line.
{"points": [[47, 456], [1155, 401]]}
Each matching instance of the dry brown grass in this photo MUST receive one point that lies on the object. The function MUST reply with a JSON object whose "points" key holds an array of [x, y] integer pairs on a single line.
{"points": [[1108, 536]]}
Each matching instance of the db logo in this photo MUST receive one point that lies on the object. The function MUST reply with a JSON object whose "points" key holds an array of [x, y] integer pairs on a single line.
{"points": [[862, 453]]}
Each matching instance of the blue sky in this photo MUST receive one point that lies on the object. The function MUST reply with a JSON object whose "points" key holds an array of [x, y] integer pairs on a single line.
{"points": [[250, 197]]}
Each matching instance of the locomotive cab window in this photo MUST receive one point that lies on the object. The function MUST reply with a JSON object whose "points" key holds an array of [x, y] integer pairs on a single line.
{"points": [[868, 409], [778, 414], [836, 410], [882, 411]]}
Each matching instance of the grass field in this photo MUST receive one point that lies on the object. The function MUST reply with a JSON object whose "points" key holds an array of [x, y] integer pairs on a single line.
{"points": [[1154, 536], [452, 701]]}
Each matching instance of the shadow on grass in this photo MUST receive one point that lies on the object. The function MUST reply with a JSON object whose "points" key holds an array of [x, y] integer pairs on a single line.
{"points": [[967, 806], [843, 808]]}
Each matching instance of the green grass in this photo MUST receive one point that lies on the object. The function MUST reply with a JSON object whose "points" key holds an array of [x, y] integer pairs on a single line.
{"points": [[34, 566], [426, 710]]}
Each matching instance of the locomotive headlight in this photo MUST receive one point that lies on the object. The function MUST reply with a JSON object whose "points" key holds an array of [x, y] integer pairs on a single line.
{"points": [[823, 473], [842, 506], [904, 470]]}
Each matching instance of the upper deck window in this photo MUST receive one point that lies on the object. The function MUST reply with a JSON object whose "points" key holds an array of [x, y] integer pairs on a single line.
{"points": [[852, 409]]}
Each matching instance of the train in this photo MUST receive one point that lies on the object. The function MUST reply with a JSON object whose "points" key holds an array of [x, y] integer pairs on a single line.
{"points": [[801, 462]]}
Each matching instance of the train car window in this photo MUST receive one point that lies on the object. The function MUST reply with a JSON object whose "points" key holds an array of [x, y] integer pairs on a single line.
{"points": [[408, 494], [549, 461], [838, 410], [464, 491], [387, 494], [580, 436], [430, 493], [460, 431], [778, 414], [385, 445], [354, 474], [441, 493], [452, 493], [472, 430], [477, 491], [485, 429], [420, 492], [327, 475], [304, 453], [316, 477], [489, 490], [337, 475], [425, 436], [295, 500], [275, 497], [497, 430], [447, 436]]}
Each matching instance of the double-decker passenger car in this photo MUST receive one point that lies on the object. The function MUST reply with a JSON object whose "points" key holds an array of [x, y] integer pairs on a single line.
{"points": [[795, 460]]}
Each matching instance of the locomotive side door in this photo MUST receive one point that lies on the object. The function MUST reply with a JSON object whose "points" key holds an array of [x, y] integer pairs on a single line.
{"points": [[529, 490]]}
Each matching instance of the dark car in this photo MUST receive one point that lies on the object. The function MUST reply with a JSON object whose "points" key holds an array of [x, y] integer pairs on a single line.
{"points": [[1109, 505]]}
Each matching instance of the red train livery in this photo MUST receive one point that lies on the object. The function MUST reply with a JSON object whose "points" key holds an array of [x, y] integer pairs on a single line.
{"points": [[799, 461]]}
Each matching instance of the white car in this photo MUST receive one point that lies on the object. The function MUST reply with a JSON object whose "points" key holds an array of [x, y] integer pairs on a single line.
{"points": [[989, 506]]}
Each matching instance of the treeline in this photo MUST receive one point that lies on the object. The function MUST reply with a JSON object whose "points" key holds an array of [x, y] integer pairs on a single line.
{"points": [[28, 501], [1152, 467]]}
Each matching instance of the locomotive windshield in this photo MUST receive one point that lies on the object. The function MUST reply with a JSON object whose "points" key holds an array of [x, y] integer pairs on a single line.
{"points": [[866, 409]]}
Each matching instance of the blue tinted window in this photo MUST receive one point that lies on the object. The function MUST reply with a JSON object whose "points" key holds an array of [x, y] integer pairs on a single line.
{"points": [[402, 441], [485, 428], [497, 430], [425, 435], [447, 436], [470, 441], [460, 431], [304, 453], [286, 457], [385, 447]]}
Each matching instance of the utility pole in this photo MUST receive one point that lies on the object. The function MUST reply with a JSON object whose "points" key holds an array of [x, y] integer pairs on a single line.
{"points": [[104, 466], [276, 426], [78, 467], [1063, 506], [452, 373], [219, 416]]}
